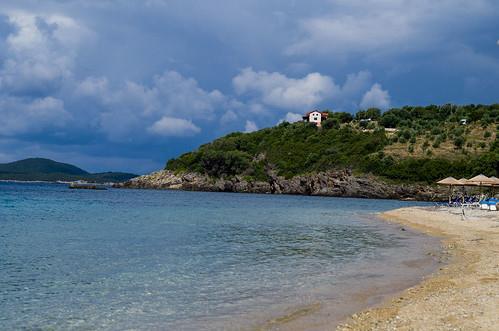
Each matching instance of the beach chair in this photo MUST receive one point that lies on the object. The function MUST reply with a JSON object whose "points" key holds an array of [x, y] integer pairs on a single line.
{"points": [[468, 202], [493, 204], [455, 202], [475, 202], [484, 204]]}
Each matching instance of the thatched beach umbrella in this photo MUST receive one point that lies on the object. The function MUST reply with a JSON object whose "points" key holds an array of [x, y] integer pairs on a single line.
{"points": [[464, 182], [481, 180], [451, 181], [496, 184], [495, 179]]}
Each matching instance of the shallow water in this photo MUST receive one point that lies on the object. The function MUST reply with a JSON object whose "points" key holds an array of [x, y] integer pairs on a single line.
{"points": [[172, 260]]}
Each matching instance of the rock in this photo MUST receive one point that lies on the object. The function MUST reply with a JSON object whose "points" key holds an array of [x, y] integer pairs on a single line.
{"points": [[339, 183]]}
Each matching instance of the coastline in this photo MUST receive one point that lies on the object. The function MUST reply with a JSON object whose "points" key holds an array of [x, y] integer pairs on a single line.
{"points": [[463, 294], [334, 183]]}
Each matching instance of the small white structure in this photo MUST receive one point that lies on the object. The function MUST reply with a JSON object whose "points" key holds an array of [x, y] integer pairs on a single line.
{"points": [[463, 121], [315, 116]]}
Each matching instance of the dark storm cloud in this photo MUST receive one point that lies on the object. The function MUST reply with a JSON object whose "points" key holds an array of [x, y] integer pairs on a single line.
{"points": [[128, 84]]}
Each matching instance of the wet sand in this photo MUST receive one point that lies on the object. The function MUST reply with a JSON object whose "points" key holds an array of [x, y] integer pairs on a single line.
{"points": [[463, 294]]}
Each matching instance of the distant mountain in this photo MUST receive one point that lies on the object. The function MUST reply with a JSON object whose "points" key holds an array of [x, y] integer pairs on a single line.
{"points": [[33, 169], [39, 165]]}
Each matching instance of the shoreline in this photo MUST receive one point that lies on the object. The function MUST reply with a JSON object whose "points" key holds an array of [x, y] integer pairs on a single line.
{"points": [[332, 183], [376, 282], [461, 295]]}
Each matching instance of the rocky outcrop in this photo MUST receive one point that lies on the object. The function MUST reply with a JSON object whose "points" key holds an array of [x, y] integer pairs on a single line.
{"points": [[331, 183]]}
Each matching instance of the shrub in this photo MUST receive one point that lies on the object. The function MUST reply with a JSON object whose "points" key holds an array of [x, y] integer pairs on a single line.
{"points": [[218, 163], [406, 134], [435, 131], [331, 123], [459, 142]]}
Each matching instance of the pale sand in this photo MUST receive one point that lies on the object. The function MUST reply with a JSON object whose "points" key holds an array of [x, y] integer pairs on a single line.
{"points": [[463, 294]]}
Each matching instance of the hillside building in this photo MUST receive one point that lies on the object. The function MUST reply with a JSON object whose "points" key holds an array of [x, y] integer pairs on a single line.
{"points": [[315, 116]]}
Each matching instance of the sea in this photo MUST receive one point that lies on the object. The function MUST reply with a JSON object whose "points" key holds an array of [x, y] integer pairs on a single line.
{"points": [[172, 260]]}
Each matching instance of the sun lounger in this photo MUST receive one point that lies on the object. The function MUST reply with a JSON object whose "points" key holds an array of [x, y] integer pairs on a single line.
{"points": [[484, 204], [493, 204]]}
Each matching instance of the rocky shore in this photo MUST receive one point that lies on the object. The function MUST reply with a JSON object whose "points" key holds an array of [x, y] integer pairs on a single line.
{"points": [[332, 183]]}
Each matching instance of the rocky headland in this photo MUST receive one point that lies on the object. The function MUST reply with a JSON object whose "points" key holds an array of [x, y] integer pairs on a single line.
{"points": [[332, 183]]}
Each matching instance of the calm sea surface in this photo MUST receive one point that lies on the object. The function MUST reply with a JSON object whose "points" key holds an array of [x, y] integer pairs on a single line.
{"points": [[171, 260]]}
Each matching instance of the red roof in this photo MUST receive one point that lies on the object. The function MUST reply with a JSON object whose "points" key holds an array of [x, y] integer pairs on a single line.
{"points": [[323, 113]]}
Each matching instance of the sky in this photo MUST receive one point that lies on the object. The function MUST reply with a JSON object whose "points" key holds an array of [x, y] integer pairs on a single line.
{"points": [[125, 85]]}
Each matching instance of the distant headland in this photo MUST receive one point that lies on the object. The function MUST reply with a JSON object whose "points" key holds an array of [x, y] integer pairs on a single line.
{"points": [[398, 153], [40, 169]]}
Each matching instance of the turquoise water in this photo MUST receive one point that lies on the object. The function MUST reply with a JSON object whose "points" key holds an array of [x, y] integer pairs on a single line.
{"points": [[172, 260]]}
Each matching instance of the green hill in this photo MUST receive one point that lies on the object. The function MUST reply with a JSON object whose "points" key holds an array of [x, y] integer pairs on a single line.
{"points": [[39, 165], [409, 144], [33, 169]]}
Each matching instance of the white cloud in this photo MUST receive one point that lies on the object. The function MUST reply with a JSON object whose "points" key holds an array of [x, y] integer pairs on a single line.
{"points": [[356, 83], [177, 127], [292, 117], [257, 108], [184, 96], [93, 87], [19, 116], [250, 126], [171, 94], [347, 33], [228, 117], [277, 90], [134, 108], [388, 26], [40, 53], [375, 97]]}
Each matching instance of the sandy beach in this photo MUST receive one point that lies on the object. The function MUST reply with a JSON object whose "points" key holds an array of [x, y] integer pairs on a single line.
{"points": [[463, 294]]}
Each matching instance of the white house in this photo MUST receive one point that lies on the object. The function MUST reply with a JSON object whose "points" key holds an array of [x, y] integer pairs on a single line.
{"points": [[315, 116]]}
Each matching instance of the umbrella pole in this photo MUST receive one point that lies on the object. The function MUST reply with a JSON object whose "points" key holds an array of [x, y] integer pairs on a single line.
{"points": [[450, 193]]}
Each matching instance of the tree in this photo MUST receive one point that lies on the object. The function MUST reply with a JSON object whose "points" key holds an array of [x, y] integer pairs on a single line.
{"points": [[371, 113], [389, 120], [331, 123], [343, 117]]}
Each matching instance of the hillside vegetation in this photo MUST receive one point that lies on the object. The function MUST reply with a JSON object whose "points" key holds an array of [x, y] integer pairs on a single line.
{"points": [[412, 144], [34, 169]]}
